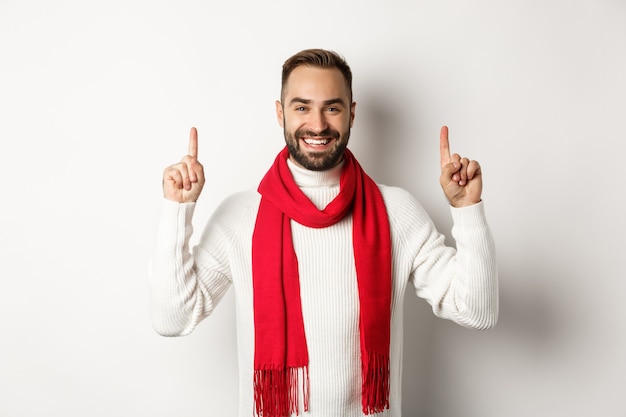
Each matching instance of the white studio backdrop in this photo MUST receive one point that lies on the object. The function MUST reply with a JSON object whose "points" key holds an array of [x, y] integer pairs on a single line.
{"points": [[96, 98]]}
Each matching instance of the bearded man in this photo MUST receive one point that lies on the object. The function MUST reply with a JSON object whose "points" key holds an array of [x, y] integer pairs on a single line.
{"points": [[319, 257]]}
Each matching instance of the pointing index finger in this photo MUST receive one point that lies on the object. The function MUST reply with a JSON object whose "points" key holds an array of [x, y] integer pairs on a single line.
{"points": [[193, 142], [444, 146]]}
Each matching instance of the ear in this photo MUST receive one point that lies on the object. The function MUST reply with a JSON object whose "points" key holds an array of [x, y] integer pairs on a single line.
{"points": [[352, 111], [279, 113]]}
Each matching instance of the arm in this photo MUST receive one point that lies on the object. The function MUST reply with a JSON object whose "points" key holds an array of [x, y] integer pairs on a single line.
{"points": [[184, 286], [461, 284], [476, 293]]}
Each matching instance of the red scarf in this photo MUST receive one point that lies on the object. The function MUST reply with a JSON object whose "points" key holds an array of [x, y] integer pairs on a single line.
{"points": [[281, 357]]}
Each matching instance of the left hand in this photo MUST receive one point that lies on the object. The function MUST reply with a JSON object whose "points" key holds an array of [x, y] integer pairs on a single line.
{"points": [[461, 178]]}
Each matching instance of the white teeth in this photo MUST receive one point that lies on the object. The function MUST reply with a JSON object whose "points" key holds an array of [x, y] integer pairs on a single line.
{"points": [[316, 141]]}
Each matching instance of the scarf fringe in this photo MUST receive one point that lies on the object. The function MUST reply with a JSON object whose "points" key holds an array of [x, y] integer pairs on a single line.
{"points": [[277, 391], [375, 390]]}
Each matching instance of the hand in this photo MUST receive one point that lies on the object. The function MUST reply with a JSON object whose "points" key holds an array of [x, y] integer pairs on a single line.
{"points": [[461, 179], [183, 182]]}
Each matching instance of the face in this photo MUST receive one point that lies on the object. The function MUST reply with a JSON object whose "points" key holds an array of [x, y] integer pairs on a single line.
{"points": [[316, 115]]}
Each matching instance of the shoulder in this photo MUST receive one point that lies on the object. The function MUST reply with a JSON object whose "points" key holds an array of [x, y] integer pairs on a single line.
{"points": [[400, 201], [241, 199], [238, 205], [233, 218], [409, 221]]}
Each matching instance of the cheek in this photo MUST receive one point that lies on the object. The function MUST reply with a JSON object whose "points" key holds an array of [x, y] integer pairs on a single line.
{"points": [[292, 123], [344, 124], [287, 126]]}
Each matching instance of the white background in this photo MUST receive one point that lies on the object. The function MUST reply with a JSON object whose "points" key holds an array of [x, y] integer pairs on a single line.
{"points": [[96, 98]]}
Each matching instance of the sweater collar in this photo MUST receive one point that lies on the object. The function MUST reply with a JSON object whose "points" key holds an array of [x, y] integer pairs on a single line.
{"points": [[307, 178]]}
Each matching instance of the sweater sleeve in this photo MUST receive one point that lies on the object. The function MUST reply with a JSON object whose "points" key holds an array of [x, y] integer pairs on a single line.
{"points": [[461, 283], [185, 285], [474, 299]]}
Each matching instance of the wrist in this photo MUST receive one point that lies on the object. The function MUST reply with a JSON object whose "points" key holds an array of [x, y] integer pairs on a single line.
{"points": [[463, 203]]}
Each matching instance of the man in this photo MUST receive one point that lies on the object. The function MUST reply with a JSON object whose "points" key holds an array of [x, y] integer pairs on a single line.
{"points": [[319, 259]]}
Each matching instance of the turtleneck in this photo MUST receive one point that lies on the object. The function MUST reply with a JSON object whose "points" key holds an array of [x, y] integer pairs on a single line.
{"points": [[307, 178], [321, 187]]}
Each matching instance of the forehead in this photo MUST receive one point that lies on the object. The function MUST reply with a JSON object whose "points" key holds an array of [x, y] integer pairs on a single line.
{"points": [[316, 84]]}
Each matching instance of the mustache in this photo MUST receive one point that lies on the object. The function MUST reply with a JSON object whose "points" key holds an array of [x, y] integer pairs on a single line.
{"points": [[328, 132]]}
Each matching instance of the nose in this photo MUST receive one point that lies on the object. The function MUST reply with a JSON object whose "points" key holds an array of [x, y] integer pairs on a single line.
{"points": [[317, 122]]}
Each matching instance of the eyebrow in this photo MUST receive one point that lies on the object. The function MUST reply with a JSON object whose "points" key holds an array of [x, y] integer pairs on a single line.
{"points": [[326, 102]]}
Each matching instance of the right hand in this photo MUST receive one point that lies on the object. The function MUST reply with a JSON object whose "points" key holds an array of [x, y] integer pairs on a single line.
{"points": [[183, 182]]}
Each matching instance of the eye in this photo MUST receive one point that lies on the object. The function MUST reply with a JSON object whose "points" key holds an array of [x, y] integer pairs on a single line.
{"points": [[300, 108]]}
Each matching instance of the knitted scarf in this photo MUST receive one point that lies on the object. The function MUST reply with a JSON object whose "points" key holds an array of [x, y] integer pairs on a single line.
{"points": [[281, 357]]}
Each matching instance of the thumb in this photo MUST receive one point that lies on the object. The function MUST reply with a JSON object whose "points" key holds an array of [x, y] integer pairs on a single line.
{"points": [[448, 170]]}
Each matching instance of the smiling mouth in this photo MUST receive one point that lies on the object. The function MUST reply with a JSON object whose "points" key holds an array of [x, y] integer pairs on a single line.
{"points": [[316, 142]]}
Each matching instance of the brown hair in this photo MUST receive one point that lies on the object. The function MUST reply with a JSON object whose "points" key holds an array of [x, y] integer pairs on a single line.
{"points": [[320, 58]]}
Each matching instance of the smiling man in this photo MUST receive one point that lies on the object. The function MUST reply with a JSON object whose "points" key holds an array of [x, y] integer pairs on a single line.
{"points": [[320, 257]]}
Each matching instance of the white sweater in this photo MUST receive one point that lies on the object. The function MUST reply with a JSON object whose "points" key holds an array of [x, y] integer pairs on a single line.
{"points": [[460, 284]]}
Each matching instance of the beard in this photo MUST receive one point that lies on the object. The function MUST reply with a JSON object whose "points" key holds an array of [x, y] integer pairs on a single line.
{"points": [[317, 161]]}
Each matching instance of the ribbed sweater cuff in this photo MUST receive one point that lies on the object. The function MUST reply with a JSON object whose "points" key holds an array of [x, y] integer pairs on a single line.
{"points": [[469, 216], [171, 209]]}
